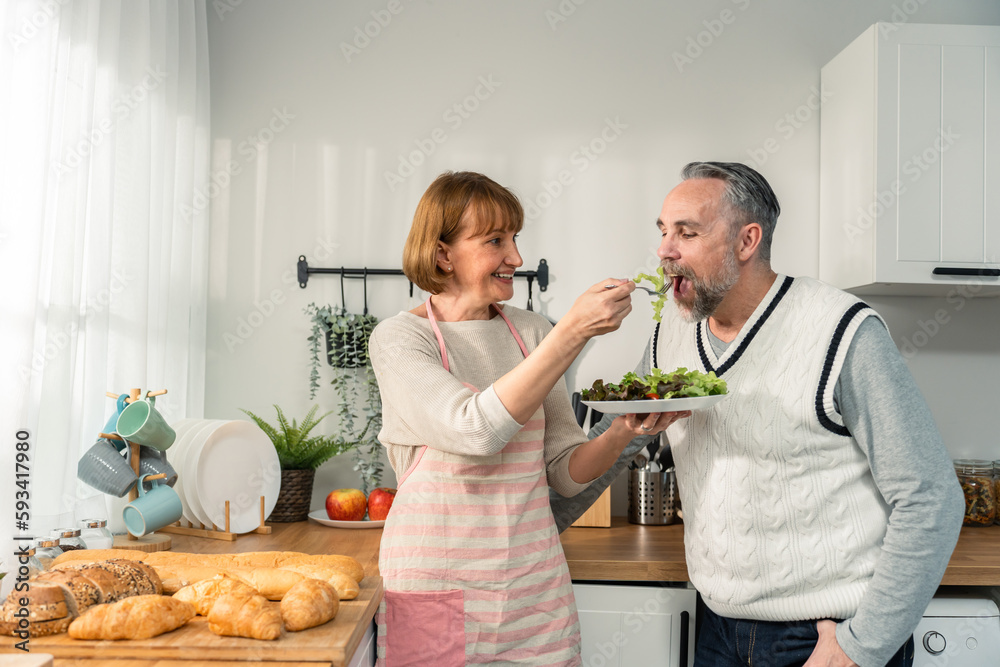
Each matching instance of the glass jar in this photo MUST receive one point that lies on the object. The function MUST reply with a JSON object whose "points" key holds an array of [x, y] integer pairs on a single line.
{"points": [[976, 478], [996, 487], [29, 561], [96, 535], [46, 551], [69, 539]]}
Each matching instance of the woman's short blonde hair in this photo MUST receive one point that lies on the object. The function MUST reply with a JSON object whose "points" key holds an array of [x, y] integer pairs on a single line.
{"points": [[454, 198]]}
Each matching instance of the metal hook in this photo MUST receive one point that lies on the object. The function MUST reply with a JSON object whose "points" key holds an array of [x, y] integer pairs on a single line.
{"points": [[411, 289], [343, 300], [364, 278], [530, 281]]}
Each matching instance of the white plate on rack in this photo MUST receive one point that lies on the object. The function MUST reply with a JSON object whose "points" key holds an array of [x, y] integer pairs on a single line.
{"points": [[236, 461], [175, 456], [319, 516], [646, 406], [192, 448]]}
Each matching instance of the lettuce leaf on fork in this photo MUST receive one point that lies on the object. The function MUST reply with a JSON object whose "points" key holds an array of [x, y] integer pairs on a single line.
{"points": [[659, 282]]}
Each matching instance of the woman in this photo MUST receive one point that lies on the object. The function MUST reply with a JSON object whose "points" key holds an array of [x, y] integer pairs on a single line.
{"points": [[477, 425]]}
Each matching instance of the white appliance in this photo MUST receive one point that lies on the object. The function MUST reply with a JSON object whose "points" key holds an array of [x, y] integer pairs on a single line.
{"points": [[960, 628]]}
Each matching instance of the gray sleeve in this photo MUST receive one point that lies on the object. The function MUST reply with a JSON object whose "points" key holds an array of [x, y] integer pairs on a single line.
{"points": [[568, 510], [889, 419]]}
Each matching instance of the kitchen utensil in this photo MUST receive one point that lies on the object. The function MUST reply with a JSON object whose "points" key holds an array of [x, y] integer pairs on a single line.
{"points": [[141, 422], [153, 509], [653, 447], [646, 406], [652, 497], [652, 292], [639, 462], [106, 469]]}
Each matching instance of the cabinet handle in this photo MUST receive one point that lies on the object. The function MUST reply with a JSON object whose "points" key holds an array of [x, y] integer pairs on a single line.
{"points": [[960, 271], [683, 643]]}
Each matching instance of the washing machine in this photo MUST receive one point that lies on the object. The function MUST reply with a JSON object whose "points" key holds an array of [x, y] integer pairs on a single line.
{"points": [[960, 628]]}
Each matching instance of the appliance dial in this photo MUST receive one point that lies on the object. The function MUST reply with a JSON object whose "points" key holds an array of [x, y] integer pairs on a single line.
{"points": [[934, 642]]}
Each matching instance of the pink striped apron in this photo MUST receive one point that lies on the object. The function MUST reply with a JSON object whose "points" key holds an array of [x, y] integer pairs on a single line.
{"points": [[473, 569]]}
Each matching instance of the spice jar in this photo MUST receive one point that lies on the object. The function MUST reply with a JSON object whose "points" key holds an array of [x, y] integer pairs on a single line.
{"points": [[96, 535], [69, 539], [976, 478], [46, 551]]}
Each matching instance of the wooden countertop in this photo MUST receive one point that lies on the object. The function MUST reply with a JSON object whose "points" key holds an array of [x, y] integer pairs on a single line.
{"points": [[331, 644], [629, 552]]}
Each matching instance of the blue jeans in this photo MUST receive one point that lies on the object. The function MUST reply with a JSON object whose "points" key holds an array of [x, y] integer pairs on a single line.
{"points": [[730, 642]]}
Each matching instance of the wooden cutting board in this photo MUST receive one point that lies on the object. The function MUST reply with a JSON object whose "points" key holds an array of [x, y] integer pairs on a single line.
{"points": [[333, 642]]}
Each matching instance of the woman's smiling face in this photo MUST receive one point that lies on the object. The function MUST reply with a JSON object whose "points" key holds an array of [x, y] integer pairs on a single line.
{"points": [[482, 265]]}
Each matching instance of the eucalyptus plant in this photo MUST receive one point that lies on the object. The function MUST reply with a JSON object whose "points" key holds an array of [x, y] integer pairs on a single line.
{"points": [[345, 336]]}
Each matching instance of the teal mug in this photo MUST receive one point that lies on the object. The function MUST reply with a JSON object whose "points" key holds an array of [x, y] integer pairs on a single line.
{"points": [[113, 419], [140, 422], [153, 509]]}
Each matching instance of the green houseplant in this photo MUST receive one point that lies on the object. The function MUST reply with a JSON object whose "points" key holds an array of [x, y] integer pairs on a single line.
{"points": [[299, 455], [359, 406]]}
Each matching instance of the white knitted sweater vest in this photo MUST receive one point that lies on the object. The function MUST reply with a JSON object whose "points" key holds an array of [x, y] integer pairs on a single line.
{"points": [[782, 519]]}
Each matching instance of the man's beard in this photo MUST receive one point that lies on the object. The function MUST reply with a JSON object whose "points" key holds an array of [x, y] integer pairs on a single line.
{"points": [[708, 293]]}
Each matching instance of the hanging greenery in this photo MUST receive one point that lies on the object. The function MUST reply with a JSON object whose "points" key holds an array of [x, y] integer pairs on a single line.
{"points": [[345, 337]]}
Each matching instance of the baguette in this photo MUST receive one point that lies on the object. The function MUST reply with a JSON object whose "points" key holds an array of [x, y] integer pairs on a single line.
{"points": [[270, 582], [309, 603], [203, 594], [346, 564], [347, 588], [249, 616], [176, 577], [139, 617]]}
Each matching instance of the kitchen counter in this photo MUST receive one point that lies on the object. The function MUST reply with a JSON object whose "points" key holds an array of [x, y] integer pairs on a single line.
{"points": [[629, 552], [333, 643]]}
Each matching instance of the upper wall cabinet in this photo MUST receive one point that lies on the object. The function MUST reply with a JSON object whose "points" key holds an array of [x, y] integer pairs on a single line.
{"points": [[910, 161]]}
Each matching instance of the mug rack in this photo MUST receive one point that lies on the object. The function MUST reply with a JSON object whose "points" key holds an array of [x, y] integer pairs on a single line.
{"points": [[541, 274], [156, 541]]}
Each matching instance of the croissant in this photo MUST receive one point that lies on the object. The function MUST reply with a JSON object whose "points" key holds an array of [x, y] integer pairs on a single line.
{"points": [[176, 577], [249, 616], [139, 617], [309, 603], [347, 587], [204, 593]]}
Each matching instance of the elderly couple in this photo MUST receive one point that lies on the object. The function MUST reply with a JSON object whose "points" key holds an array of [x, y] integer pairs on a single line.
{"points": [[820, 505]]}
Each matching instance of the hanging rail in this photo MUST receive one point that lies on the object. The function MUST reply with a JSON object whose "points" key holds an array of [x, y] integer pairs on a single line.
{"points": [[541, 274]]}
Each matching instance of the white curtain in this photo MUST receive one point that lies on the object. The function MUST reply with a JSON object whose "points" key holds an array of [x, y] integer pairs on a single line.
{"points": [[104, 143]]}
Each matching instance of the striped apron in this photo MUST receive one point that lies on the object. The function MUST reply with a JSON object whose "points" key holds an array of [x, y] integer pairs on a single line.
{"points": [[473, 569]]}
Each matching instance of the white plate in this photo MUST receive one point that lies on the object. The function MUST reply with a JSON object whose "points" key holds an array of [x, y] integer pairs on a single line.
{"points": [[193, 444], [238, 463], [645, 406], [181, 428], [319, 516], [186, 474]]}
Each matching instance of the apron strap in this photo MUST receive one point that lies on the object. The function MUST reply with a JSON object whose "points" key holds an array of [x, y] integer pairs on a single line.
{"points": [[440, 338]]}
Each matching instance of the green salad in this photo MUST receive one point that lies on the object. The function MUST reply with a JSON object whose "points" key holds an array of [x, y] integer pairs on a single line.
{"points": [[681, 383], [659, 281]]}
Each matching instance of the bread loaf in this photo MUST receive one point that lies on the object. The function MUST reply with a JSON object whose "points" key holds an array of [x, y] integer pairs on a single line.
{"points": [[134, 577], [176, 577], [84, 591], [139, 617], [50, 610], [309, 603], [346, 564], [347, 588], [203, 594], [250, 616], [94, 555], [270, 582]]}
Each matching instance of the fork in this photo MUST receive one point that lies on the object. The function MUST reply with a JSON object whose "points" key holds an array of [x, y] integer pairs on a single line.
{"points": [[654, 292]]}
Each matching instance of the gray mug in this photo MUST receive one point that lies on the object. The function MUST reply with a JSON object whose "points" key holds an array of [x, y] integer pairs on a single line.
{"points": [[154, 462], [107, 469]]}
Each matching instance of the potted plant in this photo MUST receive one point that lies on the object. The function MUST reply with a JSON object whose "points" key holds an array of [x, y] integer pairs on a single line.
{"points": [[359, 405], [299, 456]]}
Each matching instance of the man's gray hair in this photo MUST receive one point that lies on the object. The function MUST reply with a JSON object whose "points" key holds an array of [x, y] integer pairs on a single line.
{"points": [[748, 195]]}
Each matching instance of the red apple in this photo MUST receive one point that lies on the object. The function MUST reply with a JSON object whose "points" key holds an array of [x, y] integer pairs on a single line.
{"points": [[379, 502], [346, 505]]}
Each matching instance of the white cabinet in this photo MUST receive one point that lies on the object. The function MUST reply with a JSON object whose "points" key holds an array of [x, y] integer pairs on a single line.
{"points": [[623, 626], [910, 161]]}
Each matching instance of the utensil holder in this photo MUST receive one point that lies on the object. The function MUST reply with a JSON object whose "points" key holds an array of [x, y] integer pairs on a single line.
{"points": [[652, 497]]}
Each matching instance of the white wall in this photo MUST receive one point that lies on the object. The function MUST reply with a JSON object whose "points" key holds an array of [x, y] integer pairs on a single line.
{"points": [[319, 188]]}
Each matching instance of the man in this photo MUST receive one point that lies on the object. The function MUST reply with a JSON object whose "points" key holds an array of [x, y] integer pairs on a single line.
{"points": [[820, 505]]}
